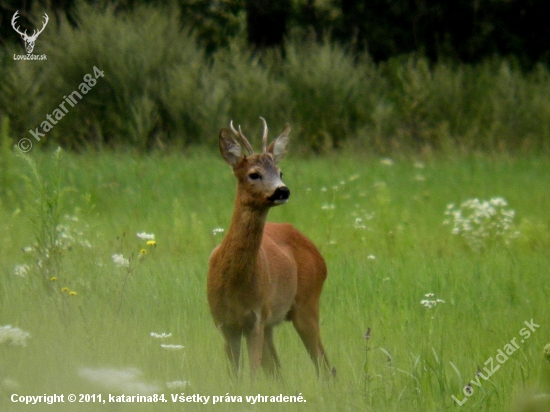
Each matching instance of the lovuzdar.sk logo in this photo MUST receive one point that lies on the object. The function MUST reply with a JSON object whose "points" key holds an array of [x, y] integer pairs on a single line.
{"points": [[29, 40]]}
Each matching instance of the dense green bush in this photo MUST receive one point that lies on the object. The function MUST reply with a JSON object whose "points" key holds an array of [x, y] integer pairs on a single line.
{"points": [[488, 106], [151, 89], [252, 88], [159, 89], [331, 95]]}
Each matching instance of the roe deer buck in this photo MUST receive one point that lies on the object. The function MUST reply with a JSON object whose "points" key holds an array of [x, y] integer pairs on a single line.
{"points": [[263, 273]]}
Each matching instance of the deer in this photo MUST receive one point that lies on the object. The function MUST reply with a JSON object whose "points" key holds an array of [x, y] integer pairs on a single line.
{"points": [[29, 40], [262, 274]]}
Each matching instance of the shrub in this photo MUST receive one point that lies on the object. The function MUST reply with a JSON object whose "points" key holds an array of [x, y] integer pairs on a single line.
{"points": [[331, 96], [252, 88], [141, 54], [158, 88]]}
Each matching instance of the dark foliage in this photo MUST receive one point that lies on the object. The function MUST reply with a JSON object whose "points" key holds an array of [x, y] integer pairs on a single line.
{"points": [[463, 30]]}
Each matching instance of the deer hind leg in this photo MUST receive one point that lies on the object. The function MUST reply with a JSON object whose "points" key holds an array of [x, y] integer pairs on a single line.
{"points": [[233, 348], [306, 322], [270, 360]]}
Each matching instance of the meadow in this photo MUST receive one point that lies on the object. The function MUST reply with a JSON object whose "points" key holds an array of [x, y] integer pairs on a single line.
{"points": [[96, 309]]}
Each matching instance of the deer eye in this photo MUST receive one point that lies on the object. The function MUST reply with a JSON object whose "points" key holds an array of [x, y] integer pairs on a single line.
{"points": [[254, 176]]}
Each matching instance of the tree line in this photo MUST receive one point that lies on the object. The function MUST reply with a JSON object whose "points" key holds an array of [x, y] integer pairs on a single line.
{"points": [[467, 31]]}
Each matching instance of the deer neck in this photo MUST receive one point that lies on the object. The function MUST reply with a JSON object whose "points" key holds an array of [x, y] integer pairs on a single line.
{"points": [[241, 243]]}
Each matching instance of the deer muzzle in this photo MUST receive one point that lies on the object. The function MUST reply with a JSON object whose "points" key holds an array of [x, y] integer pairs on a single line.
{"points": [[280, 195]]}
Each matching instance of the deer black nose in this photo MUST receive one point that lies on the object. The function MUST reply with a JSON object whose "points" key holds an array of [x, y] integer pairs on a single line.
{"points": [[280, 195]]}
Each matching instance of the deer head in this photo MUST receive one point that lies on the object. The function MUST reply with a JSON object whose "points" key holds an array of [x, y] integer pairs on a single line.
{"points": [[29, 40], [259, 179]]}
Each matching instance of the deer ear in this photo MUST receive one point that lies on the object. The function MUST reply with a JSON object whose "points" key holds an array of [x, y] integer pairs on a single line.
{"points": [[278, 146], [229, 148]]}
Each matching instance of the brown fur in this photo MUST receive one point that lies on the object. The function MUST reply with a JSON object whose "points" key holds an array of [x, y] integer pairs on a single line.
{"points": [[263, 273]]}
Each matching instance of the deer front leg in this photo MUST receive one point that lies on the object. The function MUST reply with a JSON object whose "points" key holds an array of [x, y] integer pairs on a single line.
{"points": [[255, 344]]}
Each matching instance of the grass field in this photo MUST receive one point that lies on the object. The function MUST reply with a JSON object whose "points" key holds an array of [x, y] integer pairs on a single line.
{"points": [[379, 224]]}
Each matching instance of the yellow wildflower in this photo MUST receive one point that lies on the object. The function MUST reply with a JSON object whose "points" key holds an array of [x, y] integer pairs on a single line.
{"points": [[72, 293], [151, 243], [53, 278], [142, 251], [64, 290]]}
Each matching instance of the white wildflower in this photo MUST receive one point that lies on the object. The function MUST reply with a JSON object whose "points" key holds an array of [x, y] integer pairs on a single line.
{"points": [[328, 206], [128, 380], [361, 216], [358, 224], [479, 222], [146, 236], [171, 346], [160, 335], [85, 243], [120, 260], [498, 201], [21, 270], [386, 161], [218, 231], [13, 336], [177, 385], [431, 303], [371, 257]]}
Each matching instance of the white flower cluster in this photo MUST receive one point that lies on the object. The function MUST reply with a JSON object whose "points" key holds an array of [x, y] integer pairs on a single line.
{"points": [[21, 270], [146, 236], [13, 336], [68, 235], [430, 303], [128, 380], [171, 346], [166, 346], [120, 260], [480, 222], [162, 335], [218, 231]]}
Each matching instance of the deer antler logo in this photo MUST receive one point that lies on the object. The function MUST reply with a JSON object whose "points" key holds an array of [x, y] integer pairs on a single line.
{"points": [[29, 40]]}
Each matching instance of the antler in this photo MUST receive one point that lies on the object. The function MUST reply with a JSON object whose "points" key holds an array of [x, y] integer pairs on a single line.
{"points": [[15, 16], [264, 137], [243, 139], [37, 32]]}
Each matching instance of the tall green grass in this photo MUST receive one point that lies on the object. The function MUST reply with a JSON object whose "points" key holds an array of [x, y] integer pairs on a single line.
{"points": [[160, 88], [378, 222]]}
